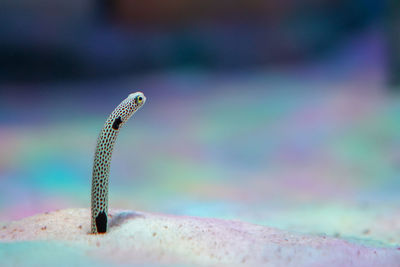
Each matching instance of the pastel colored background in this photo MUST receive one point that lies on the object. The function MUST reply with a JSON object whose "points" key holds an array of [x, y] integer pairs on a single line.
{"points": [[295, 128]]}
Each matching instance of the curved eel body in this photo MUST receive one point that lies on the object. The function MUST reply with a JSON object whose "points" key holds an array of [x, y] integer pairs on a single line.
{"points": [[102, 159]]}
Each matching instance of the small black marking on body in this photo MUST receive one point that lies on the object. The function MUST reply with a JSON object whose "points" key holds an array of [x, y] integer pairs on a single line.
{"points": [[116, 123], [101, 222]]}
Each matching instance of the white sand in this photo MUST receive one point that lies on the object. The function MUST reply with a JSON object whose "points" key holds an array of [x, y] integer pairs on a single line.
{"points": [[62, 238]]}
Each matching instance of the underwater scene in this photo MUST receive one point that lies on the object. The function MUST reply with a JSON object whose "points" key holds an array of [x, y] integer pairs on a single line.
{"points": [[304, 139]]}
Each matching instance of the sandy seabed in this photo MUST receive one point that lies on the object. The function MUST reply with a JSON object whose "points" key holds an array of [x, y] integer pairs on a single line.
{"points": [[61, 238]]}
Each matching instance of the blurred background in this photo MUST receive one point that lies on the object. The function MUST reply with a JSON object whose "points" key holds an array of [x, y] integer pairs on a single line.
{"points": [[281, 113]]}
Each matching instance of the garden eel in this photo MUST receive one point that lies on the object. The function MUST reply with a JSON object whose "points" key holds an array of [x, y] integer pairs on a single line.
{"points": [[102, 159]]}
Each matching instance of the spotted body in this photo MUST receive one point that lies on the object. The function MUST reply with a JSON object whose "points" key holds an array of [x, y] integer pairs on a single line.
{"points": [[102, 159]]}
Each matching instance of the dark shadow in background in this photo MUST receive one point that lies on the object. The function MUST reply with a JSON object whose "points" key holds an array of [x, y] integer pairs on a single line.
{"points": [[393, 34], [78, 40]]}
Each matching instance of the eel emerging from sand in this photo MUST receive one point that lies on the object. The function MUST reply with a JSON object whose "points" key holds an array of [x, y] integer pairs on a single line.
{"points": [[102, 158]]}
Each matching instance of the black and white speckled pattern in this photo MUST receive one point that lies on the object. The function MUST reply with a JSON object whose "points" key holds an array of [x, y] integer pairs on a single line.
{"points": [[102, 159]]}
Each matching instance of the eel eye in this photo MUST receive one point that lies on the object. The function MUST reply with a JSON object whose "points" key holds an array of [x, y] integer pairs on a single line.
{"points": [[139, 99]]}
